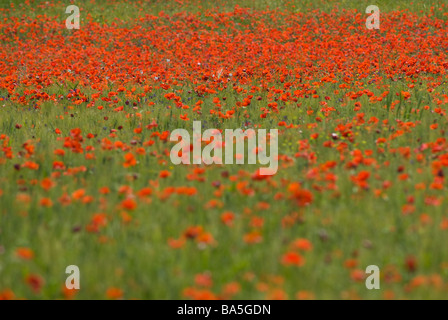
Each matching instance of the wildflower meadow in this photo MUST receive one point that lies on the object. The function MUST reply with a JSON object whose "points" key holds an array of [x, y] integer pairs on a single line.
{"points": [[334, 187]]}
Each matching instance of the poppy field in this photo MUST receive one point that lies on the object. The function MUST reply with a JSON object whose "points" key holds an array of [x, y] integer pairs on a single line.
{"points": [[86, 177]]}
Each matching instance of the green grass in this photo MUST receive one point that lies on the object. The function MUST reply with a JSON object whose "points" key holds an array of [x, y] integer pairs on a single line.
{"points": [[109, 10], [138, 257], [135, 257]]}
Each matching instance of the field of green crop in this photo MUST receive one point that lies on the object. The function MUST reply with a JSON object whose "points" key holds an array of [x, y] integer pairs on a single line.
{"points": [[86, 177]]}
